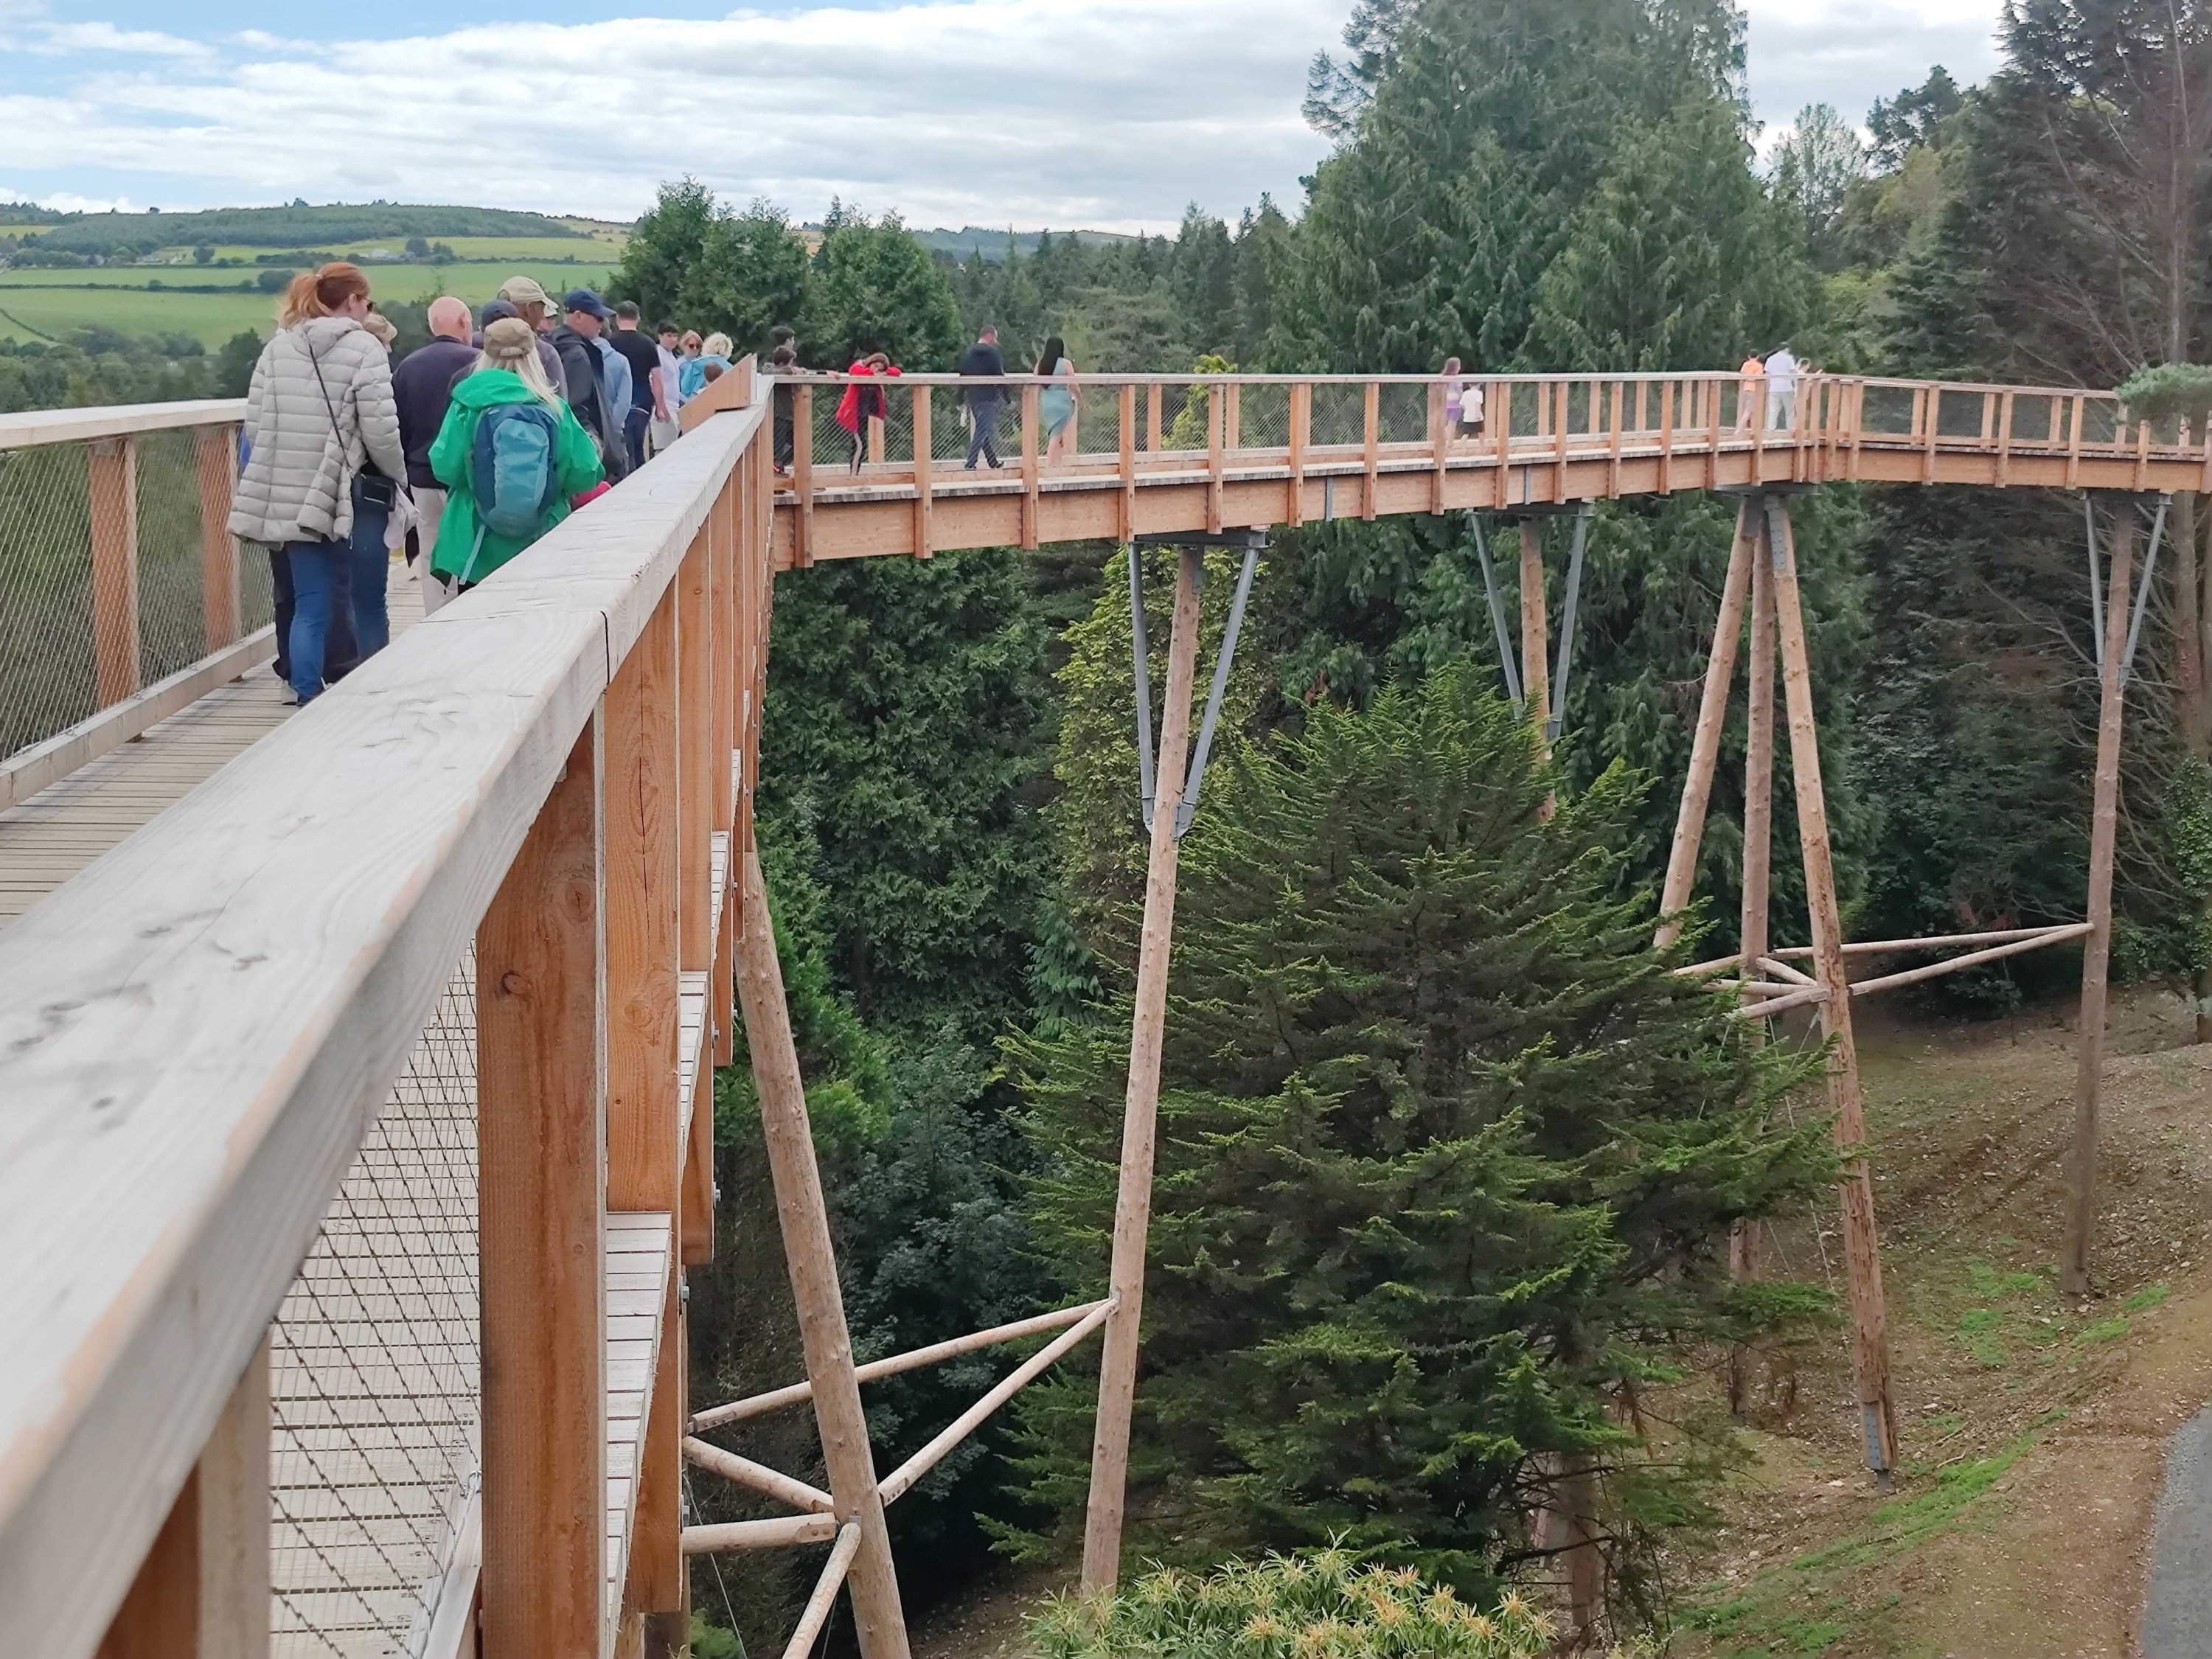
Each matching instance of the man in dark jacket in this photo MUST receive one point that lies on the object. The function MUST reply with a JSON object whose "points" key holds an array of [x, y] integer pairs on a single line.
{"points": [[423, 386], [984, 402], [585, 314]]}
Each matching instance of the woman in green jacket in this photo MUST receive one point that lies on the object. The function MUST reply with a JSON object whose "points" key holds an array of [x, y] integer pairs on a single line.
{"points": [[470, 549]]}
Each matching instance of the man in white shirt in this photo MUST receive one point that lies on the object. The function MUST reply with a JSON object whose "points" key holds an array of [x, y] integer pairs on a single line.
{"points": [[1782, 389]]}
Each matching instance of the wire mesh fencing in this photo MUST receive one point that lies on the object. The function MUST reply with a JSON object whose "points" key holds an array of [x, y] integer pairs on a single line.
{"points": [[374, 1370], [73, 641]]}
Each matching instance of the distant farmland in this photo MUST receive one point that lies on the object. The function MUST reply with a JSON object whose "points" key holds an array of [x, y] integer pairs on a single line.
{"points": [[46, 304]]}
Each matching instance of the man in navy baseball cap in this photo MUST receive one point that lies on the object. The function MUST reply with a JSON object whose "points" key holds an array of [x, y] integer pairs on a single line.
{"points": [[577, 340]]}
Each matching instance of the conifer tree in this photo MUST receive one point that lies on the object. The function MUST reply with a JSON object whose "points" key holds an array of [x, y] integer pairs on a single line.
{"points": [[1447, 1158]]}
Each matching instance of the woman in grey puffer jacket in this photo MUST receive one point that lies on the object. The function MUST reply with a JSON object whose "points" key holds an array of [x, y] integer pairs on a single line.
{"points": [[318, 414]]}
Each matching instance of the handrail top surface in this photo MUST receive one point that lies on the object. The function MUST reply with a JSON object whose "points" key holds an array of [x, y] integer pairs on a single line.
{"points": [[1721, 376], [31, 428]]}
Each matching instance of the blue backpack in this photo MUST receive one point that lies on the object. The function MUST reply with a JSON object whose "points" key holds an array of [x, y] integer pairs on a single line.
{"points": [[514, 472]]}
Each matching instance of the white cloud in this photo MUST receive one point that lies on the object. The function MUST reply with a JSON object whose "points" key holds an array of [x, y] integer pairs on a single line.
{"points": [[1110, 113], [1102, 112], [61, 38]]}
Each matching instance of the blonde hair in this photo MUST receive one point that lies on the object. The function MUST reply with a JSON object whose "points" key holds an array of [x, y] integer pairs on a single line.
{"points": [[510, 346], [323, 292], [715, 345]]}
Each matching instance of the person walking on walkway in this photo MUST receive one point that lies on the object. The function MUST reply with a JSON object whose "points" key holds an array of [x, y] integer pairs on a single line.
{"points": [[785, 361], [512, 456], [323, 472], [862, 403], [583, 374], [712, 352], [1750, 392], [1056, 407], [985, 402], [643, 359], [535, 306], [667, 398], [423, 388], [1462, 403], [1782, 388]]}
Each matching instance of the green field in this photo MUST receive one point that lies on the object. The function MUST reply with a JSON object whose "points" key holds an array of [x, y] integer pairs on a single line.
{"points": [[48, 304], [597, 248]]}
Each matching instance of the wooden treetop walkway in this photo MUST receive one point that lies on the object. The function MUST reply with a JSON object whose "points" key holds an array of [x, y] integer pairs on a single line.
{"points": [[292, 1009]]}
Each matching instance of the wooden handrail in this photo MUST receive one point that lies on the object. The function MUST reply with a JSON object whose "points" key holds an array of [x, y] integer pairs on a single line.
{"points": [[28, 428], [191, 1028]]}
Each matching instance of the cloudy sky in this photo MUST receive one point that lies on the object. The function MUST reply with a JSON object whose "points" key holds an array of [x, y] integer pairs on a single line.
{"points": [[1110, 113]]}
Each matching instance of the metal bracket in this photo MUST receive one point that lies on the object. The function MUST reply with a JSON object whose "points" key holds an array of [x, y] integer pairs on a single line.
{"points": [[1556, 723], [1251, 541], [2142, 590]]}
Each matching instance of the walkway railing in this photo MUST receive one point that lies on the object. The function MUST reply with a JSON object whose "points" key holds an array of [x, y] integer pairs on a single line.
{"points": [[404, 1016], [1158, 453], [122, 597]]}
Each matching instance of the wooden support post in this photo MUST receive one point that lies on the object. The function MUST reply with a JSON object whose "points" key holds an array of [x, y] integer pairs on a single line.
{"points": [[1667, 438], [113, 484], [1132, 1206], [654, 1594], [876, 424], [542, 1229], [1154, 439], [1301, 437], [215, 454], [925, 460], [1861, 1251], [643, 876], [1372, 442], [802, 476], [1535, 634], [203, 1590], [1758, 851], [1232, 415], [2096, 949], [813, 1266], [1706, 744], [1439, 446]]}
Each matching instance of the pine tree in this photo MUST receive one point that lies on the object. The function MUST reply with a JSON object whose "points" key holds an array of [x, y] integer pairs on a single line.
{"points": [[664, 247], [751, 274], [1447, 1157]]}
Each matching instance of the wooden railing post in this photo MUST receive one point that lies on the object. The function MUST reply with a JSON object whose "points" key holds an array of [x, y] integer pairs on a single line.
{"points": [[1371, 411], [113, 482], [925, 460], [1217, 399], [2096, 949], [802, 476], [214, 453], [734, 517], [642, 837], [880, 1622], [1862, 1253], [541, 1131], [1439, 446], [1155, 438], [1301, 437], [203, 1590], [1127, 520], [1032, 405], [1706, 744], [1132, 1208], [694, 726]]}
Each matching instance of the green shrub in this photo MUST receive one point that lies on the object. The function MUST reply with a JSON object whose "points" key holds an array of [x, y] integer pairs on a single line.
{"points": [[2169, 391], [1314, 1604]]}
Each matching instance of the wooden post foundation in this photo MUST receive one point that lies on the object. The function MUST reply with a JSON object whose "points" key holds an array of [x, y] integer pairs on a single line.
{"points": [[1861, 1251], [1132, 1209], [2096, 949], [812, 1262]]}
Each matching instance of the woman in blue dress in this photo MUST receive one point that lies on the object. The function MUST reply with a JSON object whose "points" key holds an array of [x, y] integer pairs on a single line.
{"points": [[1056, 408]]}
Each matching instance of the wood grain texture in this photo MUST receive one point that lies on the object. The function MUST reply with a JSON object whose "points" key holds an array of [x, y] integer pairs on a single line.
{"points": [[1705, 742], [113, 502], [643, 889], [542, 1145], [1132, 1206], [811, 1260], [1862, 1252]]}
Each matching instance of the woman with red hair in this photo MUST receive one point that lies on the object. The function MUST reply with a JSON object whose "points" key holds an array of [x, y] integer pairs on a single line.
{"points": [[323, 470]]}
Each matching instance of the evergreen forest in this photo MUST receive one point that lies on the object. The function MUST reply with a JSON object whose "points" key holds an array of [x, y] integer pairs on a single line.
{"points": [[1448, 1160]]}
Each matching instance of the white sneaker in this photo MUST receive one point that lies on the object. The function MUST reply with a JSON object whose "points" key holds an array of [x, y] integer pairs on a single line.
{"points": [[290, 699]]}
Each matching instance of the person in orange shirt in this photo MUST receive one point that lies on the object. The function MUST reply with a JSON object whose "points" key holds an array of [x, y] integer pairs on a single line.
{"points": [[1750, 395]]}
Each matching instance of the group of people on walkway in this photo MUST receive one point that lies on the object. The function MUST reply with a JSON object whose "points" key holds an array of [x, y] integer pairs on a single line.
{"points": [[469, 449]]}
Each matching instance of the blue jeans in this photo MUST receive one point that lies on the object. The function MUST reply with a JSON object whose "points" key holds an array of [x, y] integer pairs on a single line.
{"points": [[321, 572]]}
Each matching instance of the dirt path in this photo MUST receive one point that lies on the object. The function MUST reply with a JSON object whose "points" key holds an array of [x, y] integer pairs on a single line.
{"points": [[2034, 1429]]}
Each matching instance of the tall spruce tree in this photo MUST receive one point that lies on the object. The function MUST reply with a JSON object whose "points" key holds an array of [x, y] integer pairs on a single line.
{"points": [[1447, 1159]]}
